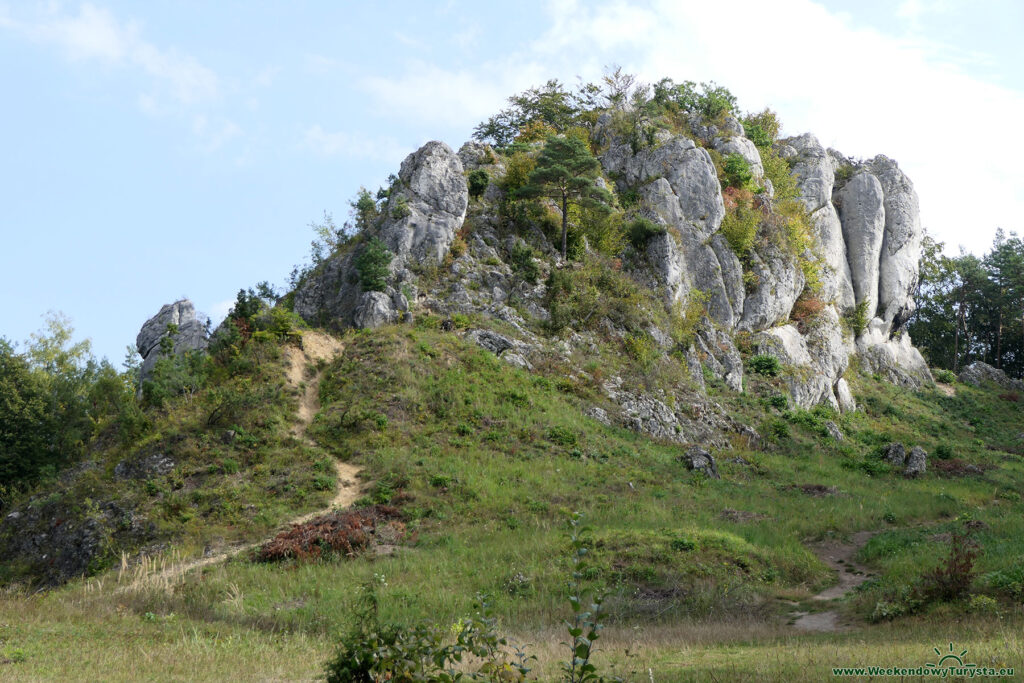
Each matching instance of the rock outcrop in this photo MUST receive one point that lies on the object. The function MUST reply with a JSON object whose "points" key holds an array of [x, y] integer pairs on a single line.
{"points": [[977, 373], [425, 209], [176, 321], [866, 240]]}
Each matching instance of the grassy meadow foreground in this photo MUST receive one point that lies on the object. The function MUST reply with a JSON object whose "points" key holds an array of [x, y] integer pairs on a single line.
{"points": [[485, 463]]}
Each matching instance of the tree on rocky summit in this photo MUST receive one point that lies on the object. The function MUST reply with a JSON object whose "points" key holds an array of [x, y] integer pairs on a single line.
{"points": [[567, 172]]}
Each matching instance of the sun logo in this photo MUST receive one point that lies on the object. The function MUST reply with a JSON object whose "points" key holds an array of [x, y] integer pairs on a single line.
{"points": [[950, 659]]}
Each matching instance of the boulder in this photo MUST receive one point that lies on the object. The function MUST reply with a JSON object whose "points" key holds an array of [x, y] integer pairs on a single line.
{"points": [[895, 454], [700, 460], [977, 373], [190, 334], [373, 310], [844, 396], [917, 463], [833, 430]]}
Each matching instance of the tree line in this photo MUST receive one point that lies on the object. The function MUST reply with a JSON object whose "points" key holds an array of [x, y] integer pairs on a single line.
{"points": [[971, 308]]}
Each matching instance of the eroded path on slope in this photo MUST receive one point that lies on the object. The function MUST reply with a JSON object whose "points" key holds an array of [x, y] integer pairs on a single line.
{"points": [[839, 557], [315, 347]]}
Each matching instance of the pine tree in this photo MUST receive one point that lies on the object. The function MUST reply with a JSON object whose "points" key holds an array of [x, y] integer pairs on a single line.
{"points": [[567, 172]]}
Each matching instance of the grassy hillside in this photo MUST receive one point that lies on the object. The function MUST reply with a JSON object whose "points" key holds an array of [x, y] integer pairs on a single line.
{"points": [[486, 463]]}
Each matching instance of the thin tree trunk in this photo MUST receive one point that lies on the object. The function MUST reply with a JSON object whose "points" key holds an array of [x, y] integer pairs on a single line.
{"points": [[565, 223]]}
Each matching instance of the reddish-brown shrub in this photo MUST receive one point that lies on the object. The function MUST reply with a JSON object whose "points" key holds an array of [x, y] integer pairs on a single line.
{"points": [[346, 533], [805, 309]]}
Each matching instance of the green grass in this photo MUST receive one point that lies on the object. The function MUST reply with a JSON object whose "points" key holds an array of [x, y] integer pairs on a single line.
{"points": [[487, 462]]}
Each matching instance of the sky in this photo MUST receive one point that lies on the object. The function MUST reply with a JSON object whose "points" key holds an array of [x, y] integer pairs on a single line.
{"points": [[153, 151]]}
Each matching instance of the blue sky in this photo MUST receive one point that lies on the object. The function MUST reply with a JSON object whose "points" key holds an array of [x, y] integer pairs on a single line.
{"points": [[166, 149]]}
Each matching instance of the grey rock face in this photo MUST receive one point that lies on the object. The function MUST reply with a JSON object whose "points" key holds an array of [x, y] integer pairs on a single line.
{"points": [[836, 282], [977, 373], [421, 219], [813, 370], [718, 352], [917, 463], [699, 460], [475, 154], [895, 358], [901, 244], [862, 213], [813, 169], [895, 454], [780, 281], [436, 196], [373, 310], [678, 185], [665, 257], [155, 465], [844, 396], [190, 335]]}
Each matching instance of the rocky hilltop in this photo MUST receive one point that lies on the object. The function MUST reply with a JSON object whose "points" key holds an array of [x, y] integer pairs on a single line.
{"points": [[453, 254]]}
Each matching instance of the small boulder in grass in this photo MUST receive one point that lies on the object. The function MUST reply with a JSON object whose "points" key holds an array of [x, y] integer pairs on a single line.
{"points": [[917, 463], [699, 460], [895, 454]]}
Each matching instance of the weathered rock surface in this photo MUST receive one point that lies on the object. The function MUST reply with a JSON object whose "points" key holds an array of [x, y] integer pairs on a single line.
{"points": [[780, 282], [435, 195], [700, 460], [901, 243], [862, 212], [425, 209], [679, 187], [917, 463], [190, 334], [977, 373], [895, 454]]}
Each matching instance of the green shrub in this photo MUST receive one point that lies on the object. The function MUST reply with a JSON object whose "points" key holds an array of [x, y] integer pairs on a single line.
{"points": [[641, 348], [372, 263], [945, 376], [856, 318], [400, 207], [523, 262], [943, 451], [685, 318], [768, 366], [761, 128], [739, 227], [737, 171], [641, 229], [478, 182]]}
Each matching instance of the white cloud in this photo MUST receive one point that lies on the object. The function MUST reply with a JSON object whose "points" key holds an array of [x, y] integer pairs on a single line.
{"points": [[94, 33], [344, 144], [858, 89]]}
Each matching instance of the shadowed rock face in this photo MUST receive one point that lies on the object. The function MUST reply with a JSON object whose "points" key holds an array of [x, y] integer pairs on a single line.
{"points": [[190, 335]]}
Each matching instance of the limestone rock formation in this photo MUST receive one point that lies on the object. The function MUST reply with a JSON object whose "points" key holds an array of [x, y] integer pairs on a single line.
{"points": [[425, 209], [901, 242], [428, 207], [189, 334], [862, 213]]}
